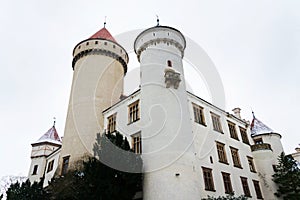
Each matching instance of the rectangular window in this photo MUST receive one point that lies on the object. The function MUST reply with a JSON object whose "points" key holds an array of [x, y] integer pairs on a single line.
{"points": [[251, 164], [137, 143], [65, 165], [198, 114], [244, 135], [235, 157], [257, 189], [50, 166], [232, 131], [216, 122], [227, 183], [221, 153], [111, 125], [208, 179], [133, 112], [245, 187], [35, 168]]}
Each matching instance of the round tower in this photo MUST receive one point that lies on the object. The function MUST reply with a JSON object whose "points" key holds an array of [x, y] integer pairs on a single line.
{"points": [[99, 65], [167, 138], [265, 150]]}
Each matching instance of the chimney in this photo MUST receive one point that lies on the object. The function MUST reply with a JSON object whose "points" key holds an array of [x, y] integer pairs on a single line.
{"points": [[237, 112]]}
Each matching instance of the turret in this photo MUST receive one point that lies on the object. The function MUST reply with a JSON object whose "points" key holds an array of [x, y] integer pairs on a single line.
{"points": [[44, 156], [99, 65], [167, 139], [266, 149]]}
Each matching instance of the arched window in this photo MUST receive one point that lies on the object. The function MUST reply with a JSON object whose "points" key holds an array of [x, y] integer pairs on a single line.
{"points": [[169, 63]]}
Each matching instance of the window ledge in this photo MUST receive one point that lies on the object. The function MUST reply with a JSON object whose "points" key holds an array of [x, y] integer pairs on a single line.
{"points": [[210, 190], [133, 121], [238, 166], [226, 163]]}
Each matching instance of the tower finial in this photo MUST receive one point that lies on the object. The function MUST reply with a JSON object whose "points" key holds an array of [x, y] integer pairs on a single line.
{"points": [[54, 121], [253, 114], [104, 21], [157, 20]]}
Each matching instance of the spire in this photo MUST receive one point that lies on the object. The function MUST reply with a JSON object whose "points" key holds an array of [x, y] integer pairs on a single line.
{"points": [[54, 121], [157, 20], [104, 22], [257, 127]]}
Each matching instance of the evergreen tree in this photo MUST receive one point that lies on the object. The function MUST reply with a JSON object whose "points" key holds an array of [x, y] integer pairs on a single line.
{"points": [[287, 178], [95, 180], [26, 191]]}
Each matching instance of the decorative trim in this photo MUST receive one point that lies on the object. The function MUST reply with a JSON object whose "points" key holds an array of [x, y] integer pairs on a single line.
{"points": [[159, 40], [172, 78], [96, 51]]}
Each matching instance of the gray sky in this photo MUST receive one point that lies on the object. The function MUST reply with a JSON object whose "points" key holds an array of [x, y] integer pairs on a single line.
{"points": [[254, 44]]}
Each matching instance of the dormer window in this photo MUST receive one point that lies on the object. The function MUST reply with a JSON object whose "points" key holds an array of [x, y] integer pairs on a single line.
{"points": [[169, 62]]}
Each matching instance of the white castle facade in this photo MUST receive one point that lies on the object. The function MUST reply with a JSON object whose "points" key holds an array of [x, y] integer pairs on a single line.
{"points": [[190, 148]]}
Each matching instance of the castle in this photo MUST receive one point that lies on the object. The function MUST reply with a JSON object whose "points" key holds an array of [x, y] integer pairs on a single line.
{"points": [[190, 147]]}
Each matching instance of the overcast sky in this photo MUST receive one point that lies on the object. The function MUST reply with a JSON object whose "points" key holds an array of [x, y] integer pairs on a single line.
{"points": [[254, 44]]}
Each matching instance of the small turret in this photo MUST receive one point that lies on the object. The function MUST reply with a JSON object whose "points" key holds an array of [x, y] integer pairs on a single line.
{"points": [[266, 149], [44, 155]]}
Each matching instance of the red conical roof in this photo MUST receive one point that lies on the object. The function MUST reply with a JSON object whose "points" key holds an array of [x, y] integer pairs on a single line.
{"points": [[103, 34]]}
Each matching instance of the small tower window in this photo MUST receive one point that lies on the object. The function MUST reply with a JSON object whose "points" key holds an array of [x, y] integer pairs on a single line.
{"points": [[114, 46], [96, 42], [169, 62], [153, 34], [35, 168], [87, 43], [105, 43], [79, 47]]}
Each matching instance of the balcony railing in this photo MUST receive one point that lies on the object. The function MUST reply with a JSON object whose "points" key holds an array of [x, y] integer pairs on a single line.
{"points": [[262, 146]]}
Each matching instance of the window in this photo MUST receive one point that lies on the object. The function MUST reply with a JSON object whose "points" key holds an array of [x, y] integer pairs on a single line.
{"points": [[111, 125], [35, 168], [87, 43], [258, 141], [114, 46], [245, 187], [221, 153], [257, 189], [137, 143], [133, 110], [251, 164], [65, 165], [232, 130], [198, 114], [96, 42], [50, 166], [244, 135], [227, 183], [105, 43], [169, 62], [216, 122], [208, 179], [235, 157]]}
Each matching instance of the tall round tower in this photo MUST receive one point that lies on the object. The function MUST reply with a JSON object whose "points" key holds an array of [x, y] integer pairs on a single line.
{"points": [[99, 65], [167, 138]]}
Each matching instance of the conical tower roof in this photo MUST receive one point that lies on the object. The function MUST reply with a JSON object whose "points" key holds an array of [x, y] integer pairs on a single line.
{"points": [[103, 34], [50, 136], [257, 127]]}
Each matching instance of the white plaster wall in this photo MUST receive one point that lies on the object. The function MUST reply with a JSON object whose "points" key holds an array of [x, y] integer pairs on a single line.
{"points": [[205, 147], [41, 162], [50, 175]]}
